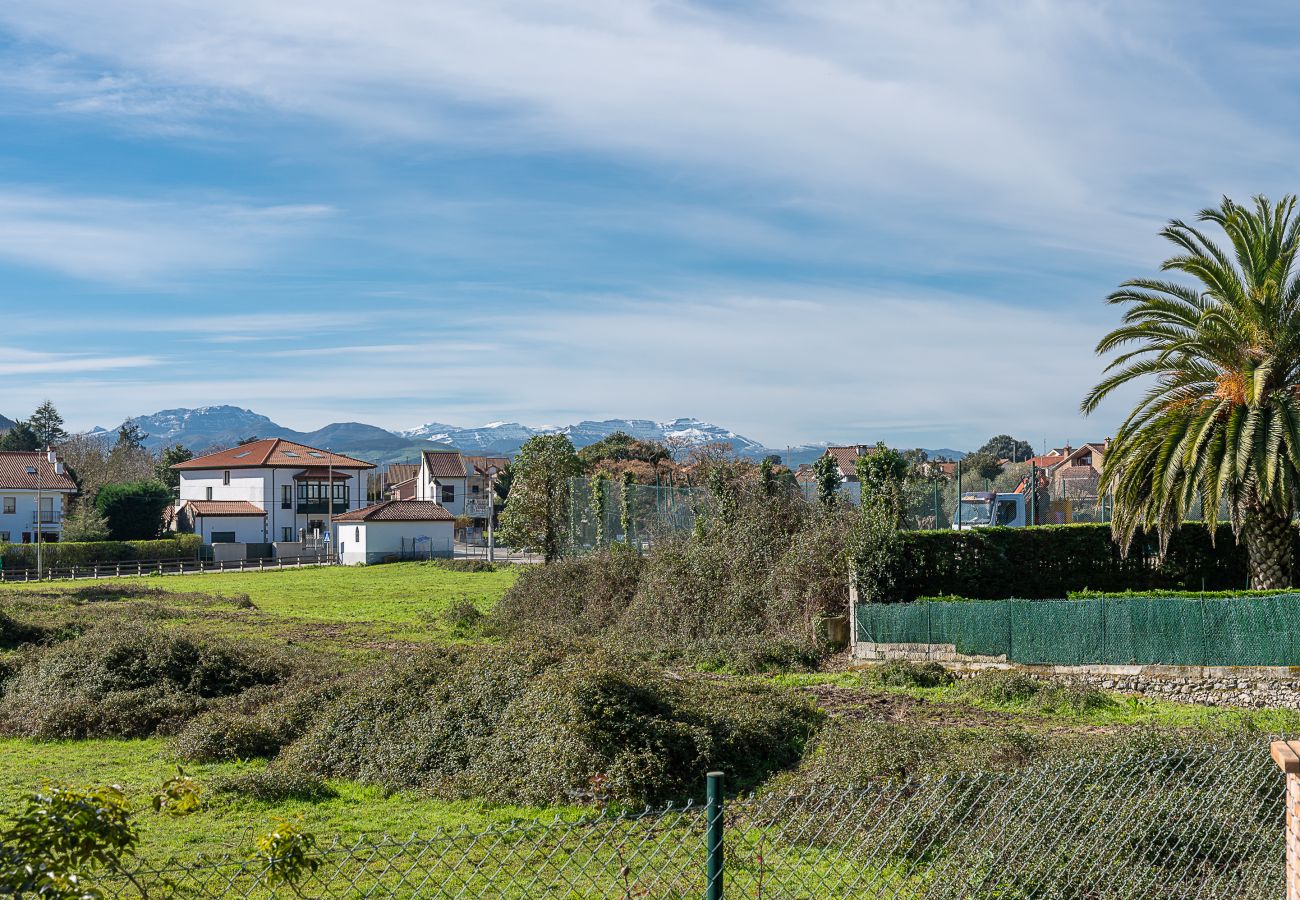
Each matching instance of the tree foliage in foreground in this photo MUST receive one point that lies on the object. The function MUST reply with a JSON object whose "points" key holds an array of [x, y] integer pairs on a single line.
{"points": [[536, 516]]}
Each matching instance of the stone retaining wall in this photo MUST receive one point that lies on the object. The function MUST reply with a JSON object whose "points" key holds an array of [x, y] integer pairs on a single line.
{"points": [[1254, 687]]}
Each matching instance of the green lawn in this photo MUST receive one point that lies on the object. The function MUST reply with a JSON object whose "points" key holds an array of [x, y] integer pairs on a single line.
{"points": [[228, 823]]}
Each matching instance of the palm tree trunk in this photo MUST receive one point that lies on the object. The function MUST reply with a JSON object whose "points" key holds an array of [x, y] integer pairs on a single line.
{"points": [[1270, 545]]}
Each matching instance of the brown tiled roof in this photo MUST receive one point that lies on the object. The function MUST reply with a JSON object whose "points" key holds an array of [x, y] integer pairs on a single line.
{"points": [[320, 473], [396, 473], [480, 463], [272, 452], [398, 511], [445, 463], [847, 458], [223, 508], [15, 477]]}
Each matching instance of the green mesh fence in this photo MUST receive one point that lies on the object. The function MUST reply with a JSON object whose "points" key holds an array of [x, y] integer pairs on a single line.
{"points": [[1248, 631]]}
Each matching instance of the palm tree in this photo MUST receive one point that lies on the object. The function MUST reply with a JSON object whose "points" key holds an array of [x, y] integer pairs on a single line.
{"points": [[1222, 421]]}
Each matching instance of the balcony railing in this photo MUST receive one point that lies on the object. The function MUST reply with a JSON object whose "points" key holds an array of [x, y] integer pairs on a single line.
{"points": [[310, 507], [47, 517]]}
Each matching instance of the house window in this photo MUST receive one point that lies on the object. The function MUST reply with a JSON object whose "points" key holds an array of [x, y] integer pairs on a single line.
{"points": [[11, 505], [225, 478], [356, 533], [4, 537], [286, 499], [209, 493], [449, 493], [474, 489], [286, 533], [223, 537]]}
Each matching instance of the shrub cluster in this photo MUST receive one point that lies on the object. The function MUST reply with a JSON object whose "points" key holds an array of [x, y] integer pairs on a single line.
{"points": [[1008, 687], [258, 722], [512, 725], [905, 673], [64, 554], [15, 634], [1052, 561], [124, 680]]}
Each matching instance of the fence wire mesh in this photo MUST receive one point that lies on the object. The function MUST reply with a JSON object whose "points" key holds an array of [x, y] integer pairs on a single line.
{"points": [[1198, 823]]}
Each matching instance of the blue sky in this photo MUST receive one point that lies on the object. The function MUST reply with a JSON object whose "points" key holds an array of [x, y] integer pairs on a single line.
{"points": [[805, 221]]}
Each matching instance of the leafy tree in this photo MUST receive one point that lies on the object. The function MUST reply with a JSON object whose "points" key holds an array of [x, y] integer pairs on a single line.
{"points": [[826, 475], [134, 509], [537, 510], [85, 523], [767, 476], [626, 508], [985, 465], [882, 476], [599, 497], [1221, 419], [1004, 446], [48, 425], [21, 437], [168, 457], [620, 447]]}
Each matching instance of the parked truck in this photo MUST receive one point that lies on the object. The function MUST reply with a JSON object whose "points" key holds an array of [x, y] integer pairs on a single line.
{"points": [[985, 509]]}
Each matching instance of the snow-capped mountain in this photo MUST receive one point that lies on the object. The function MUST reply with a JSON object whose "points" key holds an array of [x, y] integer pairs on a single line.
{"points": [[506, 437]]}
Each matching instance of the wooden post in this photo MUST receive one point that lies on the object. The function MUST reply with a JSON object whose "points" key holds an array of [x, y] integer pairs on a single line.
{"points": [[1287, 756]]}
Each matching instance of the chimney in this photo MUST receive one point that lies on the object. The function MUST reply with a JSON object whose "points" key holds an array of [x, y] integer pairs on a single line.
{"points": [[1105, 447], [51, 456]]}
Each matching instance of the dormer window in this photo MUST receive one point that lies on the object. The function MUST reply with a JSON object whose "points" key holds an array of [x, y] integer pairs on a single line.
{"points": [[291, 453], [242, 455], [316, 453]]}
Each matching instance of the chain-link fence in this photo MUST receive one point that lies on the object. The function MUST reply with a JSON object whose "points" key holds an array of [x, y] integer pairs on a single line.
{"points": [[1192, 823]]}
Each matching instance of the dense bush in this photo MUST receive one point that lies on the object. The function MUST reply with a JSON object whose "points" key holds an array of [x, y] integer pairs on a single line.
{"points": [[906, 673], [65, 554], [124, 680], [532, 726], [1051, 561], [133, 509], [274, 784], [258, 722], [15, 634], [1007, 687], [571, 597]]}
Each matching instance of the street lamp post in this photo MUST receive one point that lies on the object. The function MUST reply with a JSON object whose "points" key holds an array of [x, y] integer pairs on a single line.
{"points": [[492, 486], [39, 528]]}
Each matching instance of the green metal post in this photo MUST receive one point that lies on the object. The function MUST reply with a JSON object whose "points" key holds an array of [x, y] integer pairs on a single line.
{"points": [[713, 837]]}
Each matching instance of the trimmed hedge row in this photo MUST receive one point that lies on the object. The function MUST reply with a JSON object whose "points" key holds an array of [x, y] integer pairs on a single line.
{"points": [[61, 555], [1049, 562]]}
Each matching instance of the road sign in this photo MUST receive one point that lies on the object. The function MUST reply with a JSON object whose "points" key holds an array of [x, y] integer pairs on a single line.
{"points": [[478, 507], [326, 538]]}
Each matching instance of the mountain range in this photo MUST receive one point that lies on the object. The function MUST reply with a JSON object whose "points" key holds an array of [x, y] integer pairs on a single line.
{"points": [[208, 426]]}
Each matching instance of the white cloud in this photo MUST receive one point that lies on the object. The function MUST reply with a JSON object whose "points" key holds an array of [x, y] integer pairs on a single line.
{"points": [[16, 361], [129, 240]]}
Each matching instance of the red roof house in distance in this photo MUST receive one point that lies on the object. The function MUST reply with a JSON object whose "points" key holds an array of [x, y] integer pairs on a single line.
{"points": [[34, 492], [269, 491], [394, 529]]}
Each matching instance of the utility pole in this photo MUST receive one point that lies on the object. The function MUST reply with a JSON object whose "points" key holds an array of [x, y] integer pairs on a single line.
{"points": [[959, 495], [492, 509], [39, 527], [329, 504]]}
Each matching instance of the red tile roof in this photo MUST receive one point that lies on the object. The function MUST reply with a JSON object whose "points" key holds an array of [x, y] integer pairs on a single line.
{"points": [[223, 508], [15, 477], [274, 453], [480, 463], [445, 463], [320, 473], [847, 458], [398, 511], [396, 473]]}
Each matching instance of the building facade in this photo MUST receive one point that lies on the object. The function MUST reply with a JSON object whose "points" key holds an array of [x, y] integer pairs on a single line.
{"points": [[35, 489], [267, 492]]}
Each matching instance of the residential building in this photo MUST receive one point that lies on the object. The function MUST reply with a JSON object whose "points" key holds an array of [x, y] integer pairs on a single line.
{"points": [[1078, 472], [394, 528], [443, 478], [399, 481], [269, 491], [846, 459], [480, 495], [34, 492]]}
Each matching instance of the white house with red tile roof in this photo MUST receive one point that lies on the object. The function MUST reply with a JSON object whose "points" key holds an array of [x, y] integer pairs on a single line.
{"points": [[444, 479], [269, 491], [34, 492], [394, 528]]}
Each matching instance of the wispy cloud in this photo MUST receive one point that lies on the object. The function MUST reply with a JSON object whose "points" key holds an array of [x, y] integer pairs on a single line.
{"points": [[18, 361], [129, 240]]}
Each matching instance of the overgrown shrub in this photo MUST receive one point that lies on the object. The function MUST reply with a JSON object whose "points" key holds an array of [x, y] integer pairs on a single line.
{"points": [[570, 598], [124, 680], [15, 634], [463, 619], [465, 565], [905, 673], [513, 725], [274, 784], [1007, 687], [258, 722]]}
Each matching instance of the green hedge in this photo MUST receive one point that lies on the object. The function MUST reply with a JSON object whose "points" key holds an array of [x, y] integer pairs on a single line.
{"points": [[1052, 561], [1244, 631], [62, 555]]}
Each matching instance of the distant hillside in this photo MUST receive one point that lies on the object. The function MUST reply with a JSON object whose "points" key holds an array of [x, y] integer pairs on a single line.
{"points": [[6, 424]]}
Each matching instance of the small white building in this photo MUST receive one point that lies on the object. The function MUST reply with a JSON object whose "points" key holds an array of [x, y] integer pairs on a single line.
{"points": [[34, 492], [271, 491], [401, 529]]}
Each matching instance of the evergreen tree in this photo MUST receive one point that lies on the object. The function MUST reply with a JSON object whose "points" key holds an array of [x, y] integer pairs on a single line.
{"points": [[20, 437], [48, 425], [85, 523], [168, 457], [130, 437]]}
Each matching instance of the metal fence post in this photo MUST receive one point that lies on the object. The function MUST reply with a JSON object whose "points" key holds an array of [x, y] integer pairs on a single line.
{"points": [[713, 814]]}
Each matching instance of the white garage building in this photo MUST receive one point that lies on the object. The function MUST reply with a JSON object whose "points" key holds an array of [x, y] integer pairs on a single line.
{"points": [[410, 529]]}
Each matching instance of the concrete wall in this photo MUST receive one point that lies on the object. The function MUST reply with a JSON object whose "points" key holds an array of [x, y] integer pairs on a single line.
{"points": [[247, 529]]}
